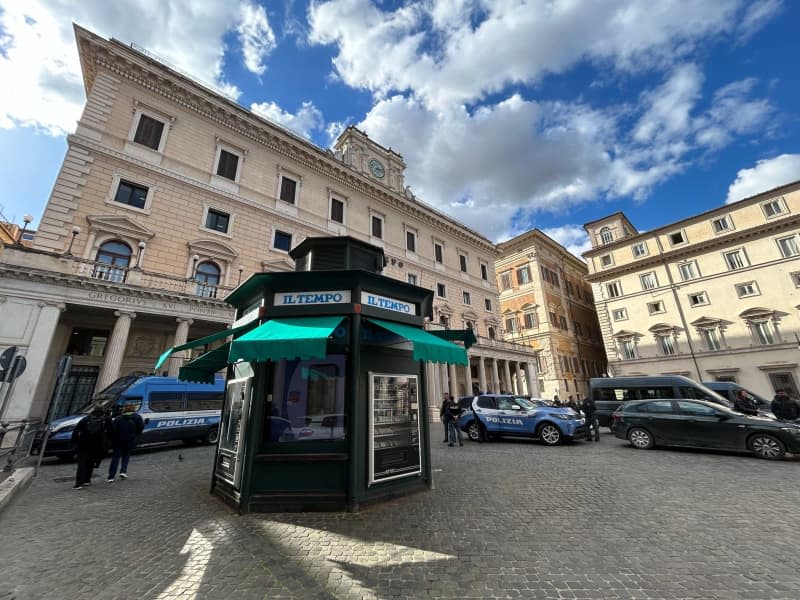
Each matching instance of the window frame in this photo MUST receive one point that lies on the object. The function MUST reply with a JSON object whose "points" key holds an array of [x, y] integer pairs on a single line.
{"points": [[438, 252], [610, 263], [509, 274], [653, 310], [376, 217], [529, 319], [615, 285], [702, 294], [789, 238], [441, 290], [275, 233], [742, 259], [239, 154], [622, 311], [207, 210], [463, 262], [724, 219], [780, 201], [411, 234], [279, 195], [487, 304], [651, 274], [753, 284], [341, 200], [466, 298], [142, 111], [692, 264], [645, 250], [523, 269], [119, 182], [684, 239], [484, 267]]}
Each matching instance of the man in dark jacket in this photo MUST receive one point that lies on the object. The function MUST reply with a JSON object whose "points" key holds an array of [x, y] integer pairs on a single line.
{"points": [[442, 415], [590, 409], [126, 428], [784, 407], [89, 436], [452, 413], [745, 403]]}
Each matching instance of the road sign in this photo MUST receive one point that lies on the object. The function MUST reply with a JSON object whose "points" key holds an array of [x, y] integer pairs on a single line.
{"points": [[17, 369], [5, 360]]}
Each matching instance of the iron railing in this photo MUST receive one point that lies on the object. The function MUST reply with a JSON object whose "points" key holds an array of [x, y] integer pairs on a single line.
{"points": [[16, 453]]}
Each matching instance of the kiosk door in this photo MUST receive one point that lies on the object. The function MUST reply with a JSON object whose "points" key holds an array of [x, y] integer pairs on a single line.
{"points": [[234, 424]]}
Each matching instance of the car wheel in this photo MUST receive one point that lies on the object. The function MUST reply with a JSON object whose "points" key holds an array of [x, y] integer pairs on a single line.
{"points": [[640, 438], [212, 436], [767, 446], [549, 434], [475, 432]]}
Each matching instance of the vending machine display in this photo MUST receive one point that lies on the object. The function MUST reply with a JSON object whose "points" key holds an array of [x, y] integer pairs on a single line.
{"points": [[394, 427]]}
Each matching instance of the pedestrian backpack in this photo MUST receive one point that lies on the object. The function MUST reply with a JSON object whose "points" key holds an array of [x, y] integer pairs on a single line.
{"points": [[95, 426]]}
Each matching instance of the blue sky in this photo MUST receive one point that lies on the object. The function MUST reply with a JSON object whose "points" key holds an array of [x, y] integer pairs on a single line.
{"points": [[509, 114]]}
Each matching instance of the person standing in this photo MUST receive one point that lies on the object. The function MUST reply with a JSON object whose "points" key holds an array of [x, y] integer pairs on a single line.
{"points": [[745, 403], [443, 414], [89, 436], [785, 408], [453, 412], [126, 428], [590, 410]]}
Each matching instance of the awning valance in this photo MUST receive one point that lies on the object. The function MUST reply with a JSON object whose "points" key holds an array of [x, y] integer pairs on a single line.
{"points": [[290, 338], [426, 347], [203, 368], [202, 342], [457, 335]]}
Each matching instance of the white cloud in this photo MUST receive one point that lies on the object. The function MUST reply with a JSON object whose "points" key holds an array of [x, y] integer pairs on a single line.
{"points": [[668, 113], [756, 16], [305, 121], [255, 36], [39, 61], [766, 175], [573, 237]]}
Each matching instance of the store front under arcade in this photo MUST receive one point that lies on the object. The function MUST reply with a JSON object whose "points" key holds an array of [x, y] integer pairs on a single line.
{"points": [[326, 392]]}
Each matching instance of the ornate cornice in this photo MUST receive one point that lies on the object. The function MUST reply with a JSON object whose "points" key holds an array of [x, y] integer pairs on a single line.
{"points": [[148, 73]]}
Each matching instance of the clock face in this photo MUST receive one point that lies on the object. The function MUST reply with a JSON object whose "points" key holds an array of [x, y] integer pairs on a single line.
{"points": [[377, 168]]}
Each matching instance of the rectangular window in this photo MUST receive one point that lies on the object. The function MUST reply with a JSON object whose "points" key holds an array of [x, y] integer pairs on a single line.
{"points": [[505, 280], [412, 279], [166, 401], [227, 165], [676, 237], [466, 297], [283, 241], [511, 324], [698, 299], [796, 279], [524, 275], [217, 220], [628, 349], [619, 314], [288, 189], [639, 250], [648, 281], [763, 333], [788, 246], [606, 260], [562, 321], [484, 272], [773, 208], [614, 289], [337, 210], [131, 194], [530, 320], [462, 263], [87, 342], [734, 260], [688, 271], [204, 400], [745, 290], [487, 303], [441, 290], [411, 241], [710, 339], [722, 224], [655, 308], [148, 132], [377, 227], [438, 252]]}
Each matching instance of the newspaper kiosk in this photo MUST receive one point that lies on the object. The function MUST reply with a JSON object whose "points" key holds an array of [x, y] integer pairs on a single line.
{"points": [[325, 405]]}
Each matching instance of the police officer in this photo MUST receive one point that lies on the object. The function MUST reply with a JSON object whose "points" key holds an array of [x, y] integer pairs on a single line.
{"points": [[125, 429], [590, 409]]}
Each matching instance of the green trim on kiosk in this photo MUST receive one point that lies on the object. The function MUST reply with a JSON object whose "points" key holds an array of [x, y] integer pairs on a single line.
{"points": [[204, 368], [299, 337], [457, 335], [202, 342], [427, 347]]}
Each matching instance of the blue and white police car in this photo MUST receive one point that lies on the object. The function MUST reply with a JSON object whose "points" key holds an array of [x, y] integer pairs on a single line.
{"points": [[491, 415]]}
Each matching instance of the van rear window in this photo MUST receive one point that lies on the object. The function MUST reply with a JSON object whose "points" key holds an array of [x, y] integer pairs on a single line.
{"points": [[165, 401], [204, 400]]}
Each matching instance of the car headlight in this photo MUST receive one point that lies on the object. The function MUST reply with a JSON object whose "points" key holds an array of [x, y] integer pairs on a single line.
{"points": [[564, 417], [63, 430], [793, 430]]}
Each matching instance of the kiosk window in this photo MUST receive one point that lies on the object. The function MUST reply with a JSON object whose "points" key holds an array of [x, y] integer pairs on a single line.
{"points": [[308, 401], [165, 401], [204, 401]]}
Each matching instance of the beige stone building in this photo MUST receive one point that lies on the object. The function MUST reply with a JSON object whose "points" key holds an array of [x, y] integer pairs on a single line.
{"points": [[713, 297], [546, 304], [170, 195]]}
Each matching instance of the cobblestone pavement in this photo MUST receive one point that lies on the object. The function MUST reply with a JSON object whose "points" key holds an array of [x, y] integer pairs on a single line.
{"points": [[505, 520]]}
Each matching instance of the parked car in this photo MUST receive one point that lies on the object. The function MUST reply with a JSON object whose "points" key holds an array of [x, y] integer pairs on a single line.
{"points": [[171, 410], [729, 390], [492, 415], [610, 392], [699, 424]]}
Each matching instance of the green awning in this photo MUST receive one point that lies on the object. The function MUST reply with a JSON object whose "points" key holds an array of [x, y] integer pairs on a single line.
{"points": [[202, 342], [426, 346], [290, 338], [457, 335], [203, 368]]}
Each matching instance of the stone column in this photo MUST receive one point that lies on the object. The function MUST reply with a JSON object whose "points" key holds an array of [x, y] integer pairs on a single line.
{"points": [[178, 359], [507, 374], [453, 381], [445, 379], [29, 387], [495, 377], [481, 374], [517, 379], [115, 350], [468, 375], [533, 380]]}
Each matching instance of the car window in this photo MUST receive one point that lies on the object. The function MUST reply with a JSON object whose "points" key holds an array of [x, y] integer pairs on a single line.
{"points": [[647, 393], [485, 402], [658, 407], [695, 408], [165, 401], [505, 403], [524, 402]]}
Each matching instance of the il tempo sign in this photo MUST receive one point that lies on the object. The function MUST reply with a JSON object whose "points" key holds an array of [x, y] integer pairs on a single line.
{"points": [[407, 308], [306, 298]]}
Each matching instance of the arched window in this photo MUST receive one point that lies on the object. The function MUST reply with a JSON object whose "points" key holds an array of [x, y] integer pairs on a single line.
{"points": [[207, 277], [114, 258], [606, 237]]}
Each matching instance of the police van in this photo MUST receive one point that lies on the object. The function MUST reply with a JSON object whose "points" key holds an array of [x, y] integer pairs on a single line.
{"points": [[171, 410]]}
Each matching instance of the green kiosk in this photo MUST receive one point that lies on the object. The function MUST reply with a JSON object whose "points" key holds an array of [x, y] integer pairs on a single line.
{"points": [[326, 401]]}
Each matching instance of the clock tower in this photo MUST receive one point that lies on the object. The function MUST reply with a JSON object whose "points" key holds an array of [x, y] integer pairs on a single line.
{"points": [[382, 165]]}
